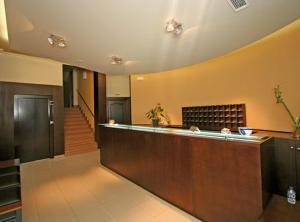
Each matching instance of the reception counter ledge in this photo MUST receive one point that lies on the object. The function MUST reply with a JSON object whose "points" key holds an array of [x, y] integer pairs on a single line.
{"points": [[212, 176]]}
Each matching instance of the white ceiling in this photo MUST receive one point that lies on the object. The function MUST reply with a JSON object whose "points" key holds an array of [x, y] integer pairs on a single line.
{"points": [[134, 30]]}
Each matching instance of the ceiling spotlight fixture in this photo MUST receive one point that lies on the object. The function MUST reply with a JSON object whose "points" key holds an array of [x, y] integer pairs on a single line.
{"points": [[116, 60], [174, 27], [57, 41]]}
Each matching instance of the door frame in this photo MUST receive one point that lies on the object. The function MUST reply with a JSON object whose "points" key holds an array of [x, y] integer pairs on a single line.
{"points": [[69, 69], [127, 101], [50, 116]]}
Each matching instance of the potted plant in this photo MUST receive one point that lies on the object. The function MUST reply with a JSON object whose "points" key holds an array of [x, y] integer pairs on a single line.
{"points": [[156, 114], [295, 120]]}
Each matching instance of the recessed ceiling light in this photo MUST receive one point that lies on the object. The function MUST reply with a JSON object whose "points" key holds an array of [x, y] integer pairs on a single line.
{"points": [[116, 60], [61, 44], [174, 27], [58, 41], [50, 40]]}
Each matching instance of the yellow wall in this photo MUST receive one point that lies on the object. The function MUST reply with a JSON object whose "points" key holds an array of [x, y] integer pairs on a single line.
{"points": [[86, 89], [244, 76], [28, 69]]}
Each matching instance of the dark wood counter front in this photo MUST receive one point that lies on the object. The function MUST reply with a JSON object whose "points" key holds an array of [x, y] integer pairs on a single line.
{"points": [[212, 179]]}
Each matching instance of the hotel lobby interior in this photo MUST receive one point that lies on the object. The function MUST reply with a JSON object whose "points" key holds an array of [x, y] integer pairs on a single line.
{"points": [[150, 111]]}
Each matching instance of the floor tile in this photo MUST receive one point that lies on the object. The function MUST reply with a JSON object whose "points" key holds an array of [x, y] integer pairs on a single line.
{"points": [[79, 189]]}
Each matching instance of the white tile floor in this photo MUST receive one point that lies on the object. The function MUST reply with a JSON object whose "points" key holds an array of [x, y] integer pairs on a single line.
{"points": [[77, 188]]}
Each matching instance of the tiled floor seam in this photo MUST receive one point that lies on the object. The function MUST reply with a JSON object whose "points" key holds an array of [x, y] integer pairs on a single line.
{"points": [[65, 199]]}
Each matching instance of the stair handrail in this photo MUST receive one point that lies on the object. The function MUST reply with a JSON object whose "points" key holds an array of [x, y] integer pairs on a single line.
{"points": [[89, 109]]}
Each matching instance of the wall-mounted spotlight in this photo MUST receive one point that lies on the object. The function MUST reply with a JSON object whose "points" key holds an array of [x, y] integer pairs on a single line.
{"points": [[57, 41], [116, 60], [174, 27]]}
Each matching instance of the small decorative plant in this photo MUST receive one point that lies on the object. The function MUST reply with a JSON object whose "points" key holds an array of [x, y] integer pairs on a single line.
{"points": [[156, 114], [295, 120]]}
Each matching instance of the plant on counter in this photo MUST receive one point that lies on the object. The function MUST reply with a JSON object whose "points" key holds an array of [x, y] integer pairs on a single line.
{"points": [[156, 114], [295, 120]]}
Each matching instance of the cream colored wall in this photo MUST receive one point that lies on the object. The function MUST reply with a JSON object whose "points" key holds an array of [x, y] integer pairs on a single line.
{"points": [[28, 69], [117, 86], [245, 76], [86, 89]]}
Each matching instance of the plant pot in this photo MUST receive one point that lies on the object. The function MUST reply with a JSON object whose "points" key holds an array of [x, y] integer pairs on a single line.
{"points": [[296, 132], [155, 122]]}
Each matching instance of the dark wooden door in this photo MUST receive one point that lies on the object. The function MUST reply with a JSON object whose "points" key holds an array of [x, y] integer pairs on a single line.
{"points": [[68, 86], [285, 165], [33, 138], [298, 169], [118, 109]]}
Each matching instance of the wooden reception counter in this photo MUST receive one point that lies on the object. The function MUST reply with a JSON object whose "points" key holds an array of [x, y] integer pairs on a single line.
{"points": [[212, 176]]}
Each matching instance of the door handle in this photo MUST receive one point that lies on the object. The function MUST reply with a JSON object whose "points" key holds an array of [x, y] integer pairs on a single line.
{"points": [[51, 122], [292, 147], [298, 148]]}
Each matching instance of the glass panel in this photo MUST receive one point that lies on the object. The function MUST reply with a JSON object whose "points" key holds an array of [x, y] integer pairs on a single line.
{"points": [[202, 133]]}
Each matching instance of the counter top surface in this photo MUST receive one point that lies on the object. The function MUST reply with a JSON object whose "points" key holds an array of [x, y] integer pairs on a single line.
{"points": [[185, 132]]}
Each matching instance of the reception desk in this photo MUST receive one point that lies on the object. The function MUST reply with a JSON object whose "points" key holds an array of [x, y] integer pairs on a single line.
{"points": [[212, 176]]}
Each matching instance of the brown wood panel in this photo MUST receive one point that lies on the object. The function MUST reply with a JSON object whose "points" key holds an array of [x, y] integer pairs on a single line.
{"points": [[267, 153], [7, 92], [215, 180], [99, 101], [226, 179], [285, 165], [156, 163]]}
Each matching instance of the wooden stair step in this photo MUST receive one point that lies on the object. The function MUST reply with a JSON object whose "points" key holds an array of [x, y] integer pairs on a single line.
{"points": [[77, 127], [71, 131], [73, 118], [79, 122], [81, 146], [73, 113], [70, 153], [79, 137], [77, 142]]}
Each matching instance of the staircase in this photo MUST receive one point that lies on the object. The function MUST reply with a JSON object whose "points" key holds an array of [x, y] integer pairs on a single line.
{"points": [[79, 137]]}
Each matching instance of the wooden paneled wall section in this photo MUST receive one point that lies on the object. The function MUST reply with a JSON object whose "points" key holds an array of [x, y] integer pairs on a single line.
{"points": [[213, 179], [7, 92], [99, 101]]}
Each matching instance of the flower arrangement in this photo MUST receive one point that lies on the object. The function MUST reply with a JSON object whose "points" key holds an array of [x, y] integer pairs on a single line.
{"points": [[295, 120]]}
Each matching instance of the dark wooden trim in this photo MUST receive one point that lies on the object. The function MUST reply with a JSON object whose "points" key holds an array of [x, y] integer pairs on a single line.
{"points": [[7, 92], [10, 207], [96, 104], [69, 69], [9, 163], [117, 98], [128, 105], [130, 98], [99, 101]]}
